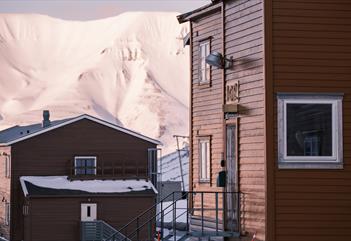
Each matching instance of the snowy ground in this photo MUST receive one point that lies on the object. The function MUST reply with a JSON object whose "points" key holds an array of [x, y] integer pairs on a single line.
{"points": [[131, 69]]}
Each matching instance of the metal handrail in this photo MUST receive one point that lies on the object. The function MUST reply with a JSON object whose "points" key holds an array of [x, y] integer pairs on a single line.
{"points": [[162, 214]]}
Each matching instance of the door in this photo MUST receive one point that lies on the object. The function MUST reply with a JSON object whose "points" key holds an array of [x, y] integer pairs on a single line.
{"points": [[232, 176], [88, 212]]}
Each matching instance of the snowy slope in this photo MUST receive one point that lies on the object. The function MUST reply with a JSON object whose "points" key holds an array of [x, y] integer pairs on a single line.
{"points": [[131, 69], [169, 166]]}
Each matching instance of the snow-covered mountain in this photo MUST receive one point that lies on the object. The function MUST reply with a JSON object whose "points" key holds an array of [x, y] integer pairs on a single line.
{"points": [[131, 69]]}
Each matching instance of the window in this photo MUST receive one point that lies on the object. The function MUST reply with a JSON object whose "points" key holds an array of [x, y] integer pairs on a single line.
{"points": [[204, 68], [85, 165], [310, 131], [7, 213], [204, 159], [7, 167]]}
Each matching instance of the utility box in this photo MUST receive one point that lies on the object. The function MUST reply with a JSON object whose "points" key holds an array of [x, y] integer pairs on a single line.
{"points": [[221, 179]]}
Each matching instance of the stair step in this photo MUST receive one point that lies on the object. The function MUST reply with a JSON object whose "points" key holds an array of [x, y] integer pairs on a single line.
{"points": [[209, 224]]}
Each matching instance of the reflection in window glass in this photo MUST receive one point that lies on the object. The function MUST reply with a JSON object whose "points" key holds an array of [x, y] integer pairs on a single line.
{"points": [[309, 130]]}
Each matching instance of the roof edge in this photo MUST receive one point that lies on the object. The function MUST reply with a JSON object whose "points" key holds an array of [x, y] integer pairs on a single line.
{"points": [[199, 12], [88, 117]]}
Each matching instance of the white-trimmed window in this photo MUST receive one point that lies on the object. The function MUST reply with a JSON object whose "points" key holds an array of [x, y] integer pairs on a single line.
{"points": [[7, 166], [85, 165], [204, 68], [310, 131], [204, 159], [7, 213]]}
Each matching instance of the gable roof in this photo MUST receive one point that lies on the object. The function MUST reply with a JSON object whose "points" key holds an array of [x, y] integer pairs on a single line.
{"points": [[20, 133]]}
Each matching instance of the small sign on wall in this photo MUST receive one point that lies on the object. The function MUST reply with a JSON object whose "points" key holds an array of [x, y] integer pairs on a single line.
{"points": [[231, 96], [232, 92]]}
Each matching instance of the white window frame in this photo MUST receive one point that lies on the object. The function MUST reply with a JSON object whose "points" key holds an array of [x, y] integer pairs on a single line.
{"points": [[7, 166], [84, 157], [335, 161], [206, 43], [207, 162], [7, 218]]}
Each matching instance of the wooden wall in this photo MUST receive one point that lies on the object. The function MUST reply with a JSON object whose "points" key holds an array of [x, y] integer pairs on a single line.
{"points": [[207, 115], [244, 42], [4, 192], [58, 219], [312, 53], [49, 153]]}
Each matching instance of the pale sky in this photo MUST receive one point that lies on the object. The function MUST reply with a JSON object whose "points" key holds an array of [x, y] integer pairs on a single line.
{"points": [[96, 9]]}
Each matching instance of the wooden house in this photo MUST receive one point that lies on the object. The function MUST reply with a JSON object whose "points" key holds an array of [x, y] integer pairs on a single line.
{"points": [[271, 97], [59, 177]]}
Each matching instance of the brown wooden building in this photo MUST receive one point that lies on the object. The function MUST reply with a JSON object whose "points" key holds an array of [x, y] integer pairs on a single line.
{"points": [[59, 176], [271, 95]]}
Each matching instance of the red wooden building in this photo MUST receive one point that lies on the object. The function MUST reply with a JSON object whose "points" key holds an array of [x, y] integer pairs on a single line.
{"points": [[271, 97], [68, 179]]}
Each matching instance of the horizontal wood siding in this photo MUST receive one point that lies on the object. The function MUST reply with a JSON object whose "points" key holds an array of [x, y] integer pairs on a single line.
{"points": [[49, 154], [244, 42], [58, 219], [206, 116], [4, 191], [312, 53]]}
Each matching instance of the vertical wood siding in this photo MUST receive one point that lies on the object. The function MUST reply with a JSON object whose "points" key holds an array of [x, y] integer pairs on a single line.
{"points": [[312, 53], [244, 42], [4, 192], [49, 153]]}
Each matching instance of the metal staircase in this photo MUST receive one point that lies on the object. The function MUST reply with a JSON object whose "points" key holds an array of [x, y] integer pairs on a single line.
{"points": [[189, 216], [99, 231]]}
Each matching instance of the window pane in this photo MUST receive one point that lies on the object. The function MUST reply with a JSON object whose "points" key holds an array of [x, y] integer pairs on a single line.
{"points": [[203, 67], [207, 160], [309, 130]]}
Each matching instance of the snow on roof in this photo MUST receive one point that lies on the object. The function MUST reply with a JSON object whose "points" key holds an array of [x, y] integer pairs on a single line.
{"points": [[19, 133], [90, 186]]}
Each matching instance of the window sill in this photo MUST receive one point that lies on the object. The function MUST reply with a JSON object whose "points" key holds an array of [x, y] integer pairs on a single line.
{"points": [[206, 84], [310, 165], [205, 181]]}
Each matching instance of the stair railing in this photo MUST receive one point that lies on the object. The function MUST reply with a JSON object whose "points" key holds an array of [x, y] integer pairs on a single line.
{"points": [[145, 222], [99, 231]]}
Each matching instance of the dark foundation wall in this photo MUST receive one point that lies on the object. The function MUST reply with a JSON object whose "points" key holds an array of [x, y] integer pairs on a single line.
{"points": [[312, 53], [57, 219], [50, 153]]}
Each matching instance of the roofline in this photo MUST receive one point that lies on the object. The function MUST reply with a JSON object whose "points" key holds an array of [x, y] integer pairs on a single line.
{"points": [[199, 12], [24, 187], [81, 117], [102, 195]]}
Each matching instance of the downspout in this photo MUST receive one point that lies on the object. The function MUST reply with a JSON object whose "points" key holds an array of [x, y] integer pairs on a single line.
{"points": [[191, 183]]}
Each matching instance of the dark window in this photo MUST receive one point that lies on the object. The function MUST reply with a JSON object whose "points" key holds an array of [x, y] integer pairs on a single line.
{"points": [[88, 211], [309, 130], [85, 165]]}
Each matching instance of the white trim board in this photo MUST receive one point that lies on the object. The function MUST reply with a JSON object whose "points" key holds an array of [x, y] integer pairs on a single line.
{"points": [[87, 117]]}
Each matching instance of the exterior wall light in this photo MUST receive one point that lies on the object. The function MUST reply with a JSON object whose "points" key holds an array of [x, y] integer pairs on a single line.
{"points": [[216, 59]]}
